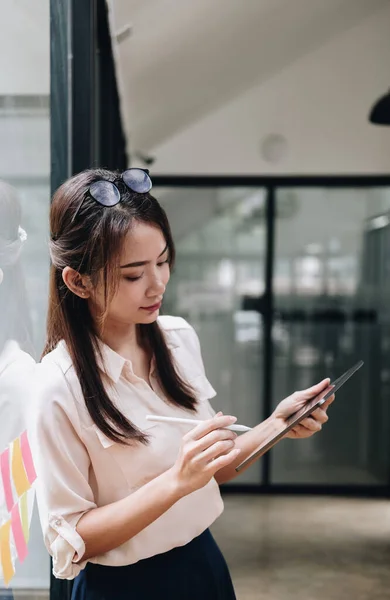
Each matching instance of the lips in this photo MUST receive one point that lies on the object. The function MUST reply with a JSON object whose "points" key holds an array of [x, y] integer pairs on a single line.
{"points": [[152, 307]]}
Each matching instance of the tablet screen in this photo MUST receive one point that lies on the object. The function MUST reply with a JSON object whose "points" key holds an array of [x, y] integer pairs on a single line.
{"points": [[297, 417]]}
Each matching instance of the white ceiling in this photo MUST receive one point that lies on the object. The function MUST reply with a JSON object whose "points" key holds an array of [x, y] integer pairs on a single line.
{"points": [[186, 57]]}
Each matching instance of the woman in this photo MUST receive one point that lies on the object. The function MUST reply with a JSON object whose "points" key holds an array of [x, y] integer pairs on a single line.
{"points": [[15, 326], [125, 503], [16, 365]]}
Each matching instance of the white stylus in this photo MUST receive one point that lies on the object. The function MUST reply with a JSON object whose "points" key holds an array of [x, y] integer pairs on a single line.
{"points": [[192, 422]]}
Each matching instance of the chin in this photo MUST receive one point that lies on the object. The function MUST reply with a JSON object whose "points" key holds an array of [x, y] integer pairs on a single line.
{"points": [[149, 318]]}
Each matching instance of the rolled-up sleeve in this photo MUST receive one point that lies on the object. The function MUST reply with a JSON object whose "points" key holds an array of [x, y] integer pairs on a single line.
{"points": [[62, 465]]}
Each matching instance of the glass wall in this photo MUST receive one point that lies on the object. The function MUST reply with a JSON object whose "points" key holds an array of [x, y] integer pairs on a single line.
{"points": [[331, 285], [330, 273], [24, 261], [220, 235]]}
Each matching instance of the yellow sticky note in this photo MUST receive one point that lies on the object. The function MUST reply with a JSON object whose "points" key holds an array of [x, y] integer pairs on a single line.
{"points": [[5, 553], [24, 517], [19, 475]]}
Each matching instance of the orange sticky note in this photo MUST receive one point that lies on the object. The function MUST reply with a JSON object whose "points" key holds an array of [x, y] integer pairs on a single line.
{"points": [[5, 553], [19, 475]]}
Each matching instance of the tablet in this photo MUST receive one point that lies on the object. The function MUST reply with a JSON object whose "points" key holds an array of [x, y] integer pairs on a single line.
{"points": [[301, 414]]}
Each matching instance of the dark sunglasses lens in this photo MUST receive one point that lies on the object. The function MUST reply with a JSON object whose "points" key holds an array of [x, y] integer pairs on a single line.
{"points": [[105, 192], [137, 180]]}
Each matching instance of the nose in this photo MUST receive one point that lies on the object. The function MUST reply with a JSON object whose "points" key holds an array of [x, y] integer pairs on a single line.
{"points": [[156, 288]]}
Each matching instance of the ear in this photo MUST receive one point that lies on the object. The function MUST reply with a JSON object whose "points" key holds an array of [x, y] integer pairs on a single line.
{"points": [[76, 283]]}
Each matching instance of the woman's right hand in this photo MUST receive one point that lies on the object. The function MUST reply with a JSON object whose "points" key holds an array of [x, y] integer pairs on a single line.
{"points": [[204, 450]]}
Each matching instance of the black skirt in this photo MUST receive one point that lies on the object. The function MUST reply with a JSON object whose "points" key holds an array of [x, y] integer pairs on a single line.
{"points": [[196, 571]]}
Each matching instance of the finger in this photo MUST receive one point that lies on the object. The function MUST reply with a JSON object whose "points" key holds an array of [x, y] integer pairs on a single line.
{"points": [[217, 422], [314, 390], [301, 432], [218, 449], [218, 435], [328, 402], [320, 416], [223, 461], [311, 424]]}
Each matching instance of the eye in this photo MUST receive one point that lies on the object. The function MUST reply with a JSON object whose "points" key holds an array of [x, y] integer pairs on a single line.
{"points": [[164, 262], [133, 278]]}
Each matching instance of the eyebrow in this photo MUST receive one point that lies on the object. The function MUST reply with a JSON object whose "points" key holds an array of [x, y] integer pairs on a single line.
{"points": [[142, 262]]}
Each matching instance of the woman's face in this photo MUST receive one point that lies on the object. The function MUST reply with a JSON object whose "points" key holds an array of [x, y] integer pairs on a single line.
{"points": [[144, 274]]}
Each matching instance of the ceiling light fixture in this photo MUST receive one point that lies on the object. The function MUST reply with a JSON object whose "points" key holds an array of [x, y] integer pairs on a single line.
{"points": [[380, 112]]}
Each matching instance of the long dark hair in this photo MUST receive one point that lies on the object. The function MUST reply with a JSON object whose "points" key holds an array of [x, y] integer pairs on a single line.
{"points": [[91, 244]]}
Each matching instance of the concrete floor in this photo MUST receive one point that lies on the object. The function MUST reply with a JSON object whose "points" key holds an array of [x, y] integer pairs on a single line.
{"points": [[302, 548], [290, 548]]}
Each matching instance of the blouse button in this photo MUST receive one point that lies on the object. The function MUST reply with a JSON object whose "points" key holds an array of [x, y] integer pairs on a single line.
{"points": [[58, 522]]}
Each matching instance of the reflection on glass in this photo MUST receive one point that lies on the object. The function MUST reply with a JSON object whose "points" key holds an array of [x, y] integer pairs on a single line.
{"points": [[24, 261], [331, 289], [218, 278], [15, 316]]}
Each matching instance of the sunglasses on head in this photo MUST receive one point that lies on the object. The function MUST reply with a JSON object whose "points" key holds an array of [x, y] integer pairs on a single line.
{"points": [[107, 194]]}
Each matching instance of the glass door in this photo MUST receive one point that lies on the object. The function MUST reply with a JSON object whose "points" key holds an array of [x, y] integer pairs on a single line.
{"points": [[218, 285], [331, 308]]}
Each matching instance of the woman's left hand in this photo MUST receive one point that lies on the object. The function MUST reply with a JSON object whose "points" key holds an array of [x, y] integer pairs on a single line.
{"points": [[311, 424]]}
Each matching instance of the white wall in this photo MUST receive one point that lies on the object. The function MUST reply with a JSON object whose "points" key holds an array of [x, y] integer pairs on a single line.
{"points": [[24, 47], [319, 104]]}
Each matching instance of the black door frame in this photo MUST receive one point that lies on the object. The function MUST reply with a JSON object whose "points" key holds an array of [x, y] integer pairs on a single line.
{"points": [[271, 184], [86, 126]]}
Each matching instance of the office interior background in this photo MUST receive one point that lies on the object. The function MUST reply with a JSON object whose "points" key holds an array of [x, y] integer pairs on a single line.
{"points": [[254, 120]]}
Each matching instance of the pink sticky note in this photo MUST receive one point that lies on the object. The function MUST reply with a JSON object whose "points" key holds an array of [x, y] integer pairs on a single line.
{"points": [[17, 531], [27, 457], [6, 477]]}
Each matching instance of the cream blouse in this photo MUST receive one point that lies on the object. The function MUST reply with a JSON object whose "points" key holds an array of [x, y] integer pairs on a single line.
{"points": [[79, 468]]}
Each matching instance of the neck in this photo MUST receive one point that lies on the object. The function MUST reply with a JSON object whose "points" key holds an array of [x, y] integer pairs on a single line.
{"points": [[122, 339]]}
